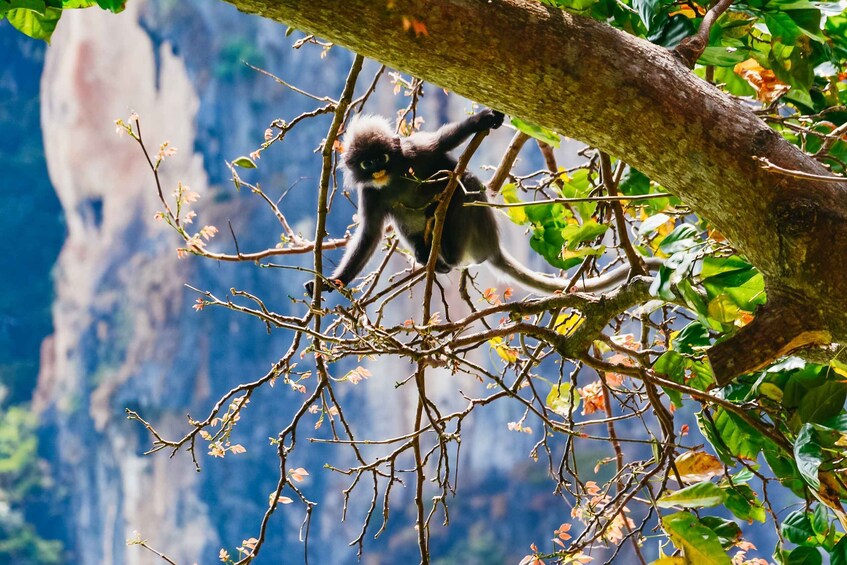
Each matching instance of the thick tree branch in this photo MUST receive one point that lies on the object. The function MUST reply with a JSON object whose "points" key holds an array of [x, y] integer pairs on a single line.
{"points": [[624, 96]]}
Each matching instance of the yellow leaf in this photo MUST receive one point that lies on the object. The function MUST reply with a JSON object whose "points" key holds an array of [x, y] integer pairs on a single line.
{"points": [[723, 309], [506, 353], [560, 398], [696, 466], [566, 324], [690, 11], [839, 367]]}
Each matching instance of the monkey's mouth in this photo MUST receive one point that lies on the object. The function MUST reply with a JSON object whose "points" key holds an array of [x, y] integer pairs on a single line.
{"points": [[380, 177]]}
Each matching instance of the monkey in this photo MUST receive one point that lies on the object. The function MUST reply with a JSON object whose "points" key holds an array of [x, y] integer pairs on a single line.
{"points": [[400, 179]]}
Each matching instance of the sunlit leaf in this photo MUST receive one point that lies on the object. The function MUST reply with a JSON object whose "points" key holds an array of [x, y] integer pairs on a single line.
{"points": [[34, 24], [503, 350], [538, 132], [698, 466], [562, 400], [700, 495], [567, 323], [699, 543], [743, 502], [244, 163]]}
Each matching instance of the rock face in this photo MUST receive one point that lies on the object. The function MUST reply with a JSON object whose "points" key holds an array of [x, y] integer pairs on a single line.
{"points": [[126, 337]]}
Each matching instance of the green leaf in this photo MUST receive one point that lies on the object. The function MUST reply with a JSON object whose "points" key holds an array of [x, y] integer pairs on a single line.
{"points": [[801, 378], [692, 339], [838, 555], [743, 502], [727, 531], [588, 231], [809, 457], [797, 528], [804, 556], [809, 22], [699, 543], [75, 4], [782, 27], [548, 136], [671, 33], [649, 11], [704, 494], [809, 448], [671, 364], [575, 5], [634, 182], [652, 223], [740, 438], [518, 215], [823, 402], [113, 5], [716, 265], [820, 520], [683, 237], [723, 56], [33, 24], [244, 162], [35, 5], [785, 469]]}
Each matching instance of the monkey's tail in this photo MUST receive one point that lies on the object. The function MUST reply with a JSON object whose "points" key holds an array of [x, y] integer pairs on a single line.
{"points": [[507, 264], [537, 281]]}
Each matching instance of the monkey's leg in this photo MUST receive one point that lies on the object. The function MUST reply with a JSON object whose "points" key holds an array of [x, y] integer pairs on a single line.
{"points": [[421, 251]]}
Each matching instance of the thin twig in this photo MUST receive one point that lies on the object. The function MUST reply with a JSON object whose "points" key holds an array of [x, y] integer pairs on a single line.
{"points": [[620, 197], [508, 160]]}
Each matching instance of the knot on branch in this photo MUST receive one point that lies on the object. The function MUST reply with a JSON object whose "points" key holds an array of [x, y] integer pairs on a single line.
{"points": [[690, 49], [796, 217]]}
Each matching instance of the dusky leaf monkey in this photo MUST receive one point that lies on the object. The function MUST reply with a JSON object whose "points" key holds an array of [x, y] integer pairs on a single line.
{"points": [[399, 179]]}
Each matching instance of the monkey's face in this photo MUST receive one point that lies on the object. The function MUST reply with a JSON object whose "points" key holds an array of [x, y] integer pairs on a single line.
{"points": [[372, 155], [376, 169]]}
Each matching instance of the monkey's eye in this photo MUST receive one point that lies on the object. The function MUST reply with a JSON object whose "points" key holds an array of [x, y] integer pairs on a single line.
{"points": [[373, 164]]}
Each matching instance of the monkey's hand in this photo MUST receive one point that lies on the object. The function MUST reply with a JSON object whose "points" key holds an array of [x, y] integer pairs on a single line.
{"points": [[490, 119], [310, 286]]}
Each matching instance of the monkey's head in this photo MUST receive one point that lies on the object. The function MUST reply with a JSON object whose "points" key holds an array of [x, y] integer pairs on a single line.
{"points": [[372, 154]]}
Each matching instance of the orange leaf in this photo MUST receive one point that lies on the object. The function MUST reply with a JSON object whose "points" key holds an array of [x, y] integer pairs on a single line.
{"points": [[768, 87]]}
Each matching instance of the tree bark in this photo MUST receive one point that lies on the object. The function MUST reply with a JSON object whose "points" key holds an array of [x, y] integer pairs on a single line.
{"points": [[634, 100]]}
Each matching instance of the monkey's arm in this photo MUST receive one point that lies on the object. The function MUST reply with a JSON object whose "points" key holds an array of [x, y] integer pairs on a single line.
{"points": [[450, 136], [372, 213]]}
